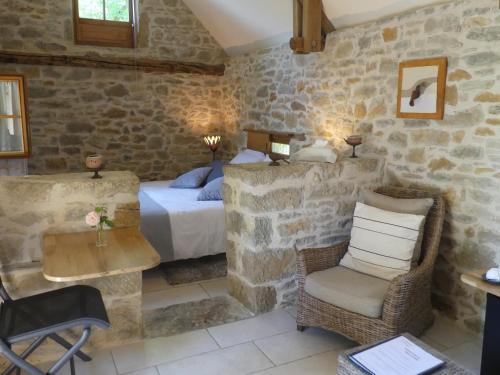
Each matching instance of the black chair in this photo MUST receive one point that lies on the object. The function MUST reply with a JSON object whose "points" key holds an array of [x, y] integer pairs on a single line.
{"points": [[42, 317]]}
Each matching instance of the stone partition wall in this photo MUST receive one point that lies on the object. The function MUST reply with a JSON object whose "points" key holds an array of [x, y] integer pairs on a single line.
{"points": [[270, 210], [352, 87], [32, 206], [151, 124]]}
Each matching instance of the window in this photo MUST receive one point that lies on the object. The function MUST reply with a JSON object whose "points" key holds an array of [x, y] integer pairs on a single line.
{"points": [[104, 22], [13, 126]]}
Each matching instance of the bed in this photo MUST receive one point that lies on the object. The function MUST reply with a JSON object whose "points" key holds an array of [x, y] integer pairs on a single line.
{"points": [[181, 227], [178, 225]]}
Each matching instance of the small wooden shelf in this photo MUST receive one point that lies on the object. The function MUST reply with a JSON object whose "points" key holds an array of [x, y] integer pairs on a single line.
{"points": [[75, 257], [475, 279]]}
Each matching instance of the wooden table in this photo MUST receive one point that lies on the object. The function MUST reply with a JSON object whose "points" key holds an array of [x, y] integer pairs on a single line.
{"points": [[75, 256], [490, 363]]}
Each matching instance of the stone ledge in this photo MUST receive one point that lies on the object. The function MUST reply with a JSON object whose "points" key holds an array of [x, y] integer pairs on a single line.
{"points": [[263, 174], [190, 316]]}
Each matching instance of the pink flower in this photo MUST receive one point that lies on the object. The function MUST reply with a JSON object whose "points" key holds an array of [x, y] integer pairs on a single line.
{"points": [[92, 219]]}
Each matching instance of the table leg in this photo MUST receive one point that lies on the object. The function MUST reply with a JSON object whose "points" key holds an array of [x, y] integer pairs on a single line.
{"points": [[490, 364]]}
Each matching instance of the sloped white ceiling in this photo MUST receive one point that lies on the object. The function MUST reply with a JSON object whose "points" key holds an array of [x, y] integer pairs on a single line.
{"points": [[240, 25]]}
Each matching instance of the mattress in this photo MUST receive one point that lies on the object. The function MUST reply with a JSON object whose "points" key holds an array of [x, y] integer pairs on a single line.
{"points": [[178, 225]]}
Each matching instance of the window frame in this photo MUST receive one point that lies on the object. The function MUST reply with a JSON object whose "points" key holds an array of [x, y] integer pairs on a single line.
{"points": [[23, 117], [89, 31]]}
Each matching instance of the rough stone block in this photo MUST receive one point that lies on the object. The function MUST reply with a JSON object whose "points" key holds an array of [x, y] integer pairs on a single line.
{"points": [[268, 265], [191, 316], [258, 299], [390, 34], [277, 200], [127, 215]]}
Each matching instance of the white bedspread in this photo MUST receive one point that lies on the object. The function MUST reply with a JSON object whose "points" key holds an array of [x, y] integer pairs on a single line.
{"points": [[179, 226]]}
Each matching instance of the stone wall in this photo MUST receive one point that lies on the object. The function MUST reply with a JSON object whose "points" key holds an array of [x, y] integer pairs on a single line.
{"points": [[151, 124], [168, 30], [36, 205], [352, 87], [13, 167], [269, 210]]}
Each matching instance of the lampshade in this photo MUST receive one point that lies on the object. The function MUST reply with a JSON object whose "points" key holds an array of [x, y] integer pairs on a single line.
{"points": [[212, 141], [280, 148]]}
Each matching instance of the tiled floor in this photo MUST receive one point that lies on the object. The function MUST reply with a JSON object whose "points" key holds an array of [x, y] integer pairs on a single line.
{"points": [[267, 344]]}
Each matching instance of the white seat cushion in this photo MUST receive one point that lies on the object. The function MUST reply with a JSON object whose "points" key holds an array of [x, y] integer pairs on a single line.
{"points": [[349, 290]]}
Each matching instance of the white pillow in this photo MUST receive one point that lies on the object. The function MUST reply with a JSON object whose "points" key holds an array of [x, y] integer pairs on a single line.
{"points": [[248, 156], [382, 242]]}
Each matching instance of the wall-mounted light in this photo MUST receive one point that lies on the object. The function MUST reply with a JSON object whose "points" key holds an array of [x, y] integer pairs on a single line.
{"points": [[213, 143]]}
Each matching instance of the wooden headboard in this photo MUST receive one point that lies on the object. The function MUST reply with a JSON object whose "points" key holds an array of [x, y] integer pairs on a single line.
{"points": [[261, 140]]}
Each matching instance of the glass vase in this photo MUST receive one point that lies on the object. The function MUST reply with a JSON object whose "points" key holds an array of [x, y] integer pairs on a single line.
{"points": [[101, 237]]}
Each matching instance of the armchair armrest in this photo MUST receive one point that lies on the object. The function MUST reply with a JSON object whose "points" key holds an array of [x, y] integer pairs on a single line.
{"points": [[407, 295], [314, 260]]}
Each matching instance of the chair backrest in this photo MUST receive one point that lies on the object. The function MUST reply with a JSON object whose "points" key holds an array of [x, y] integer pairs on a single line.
{"points": [[433, 224], [3, 292]]}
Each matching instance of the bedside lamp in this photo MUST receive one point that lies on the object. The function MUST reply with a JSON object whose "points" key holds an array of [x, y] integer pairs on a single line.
{"points": [[213, 143]]}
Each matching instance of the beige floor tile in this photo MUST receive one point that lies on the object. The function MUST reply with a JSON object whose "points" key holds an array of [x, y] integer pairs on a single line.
{"points": [[467, 355], [261, 326], [163, 349], [146, 371], [154, 280], [432, 343], [216, 288], [321, 364], [237, 360], [292, 346], [447, 334], [173, 296]]}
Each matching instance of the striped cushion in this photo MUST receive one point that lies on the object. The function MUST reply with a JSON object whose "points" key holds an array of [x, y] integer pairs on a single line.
{"points": [[382, 242]]}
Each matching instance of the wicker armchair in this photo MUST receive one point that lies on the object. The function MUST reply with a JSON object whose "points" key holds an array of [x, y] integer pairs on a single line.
{"points": [[407, 304]]}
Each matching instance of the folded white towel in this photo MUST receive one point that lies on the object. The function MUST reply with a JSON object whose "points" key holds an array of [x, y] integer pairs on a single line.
{"points": [[493, 274]]}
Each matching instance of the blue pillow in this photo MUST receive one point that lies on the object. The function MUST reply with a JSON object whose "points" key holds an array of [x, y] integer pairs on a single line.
{"points": [[213, 191], [217, 170], [192, 180]]}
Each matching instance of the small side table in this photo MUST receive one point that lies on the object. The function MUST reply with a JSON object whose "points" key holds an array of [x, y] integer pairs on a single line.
{"points": [[346, 367], [490, 362]]}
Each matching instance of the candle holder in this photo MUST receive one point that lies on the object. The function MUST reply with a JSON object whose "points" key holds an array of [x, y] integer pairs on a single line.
{"points": [[354, 141], [94, 163], [213, 143]]}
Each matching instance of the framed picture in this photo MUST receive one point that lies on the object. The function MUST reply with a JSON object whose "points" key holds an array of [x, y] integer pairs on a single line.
{"points": [[422, 88]]}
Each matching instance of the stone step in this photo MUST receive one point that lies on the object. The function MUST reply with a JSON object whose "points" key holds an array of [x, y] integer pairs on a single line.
{"points": [[190, 316]]}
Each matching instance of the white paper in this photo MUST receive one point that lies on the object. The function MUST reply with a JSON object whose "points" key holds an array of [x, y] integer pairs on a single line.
{"points": [[398, 356]]}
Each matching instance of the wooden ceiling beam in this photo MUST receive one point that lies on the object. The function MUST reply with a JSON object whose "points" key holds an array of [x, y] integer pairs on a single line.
{"points": [[311, 26], [326, 25], [144, 65]]}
